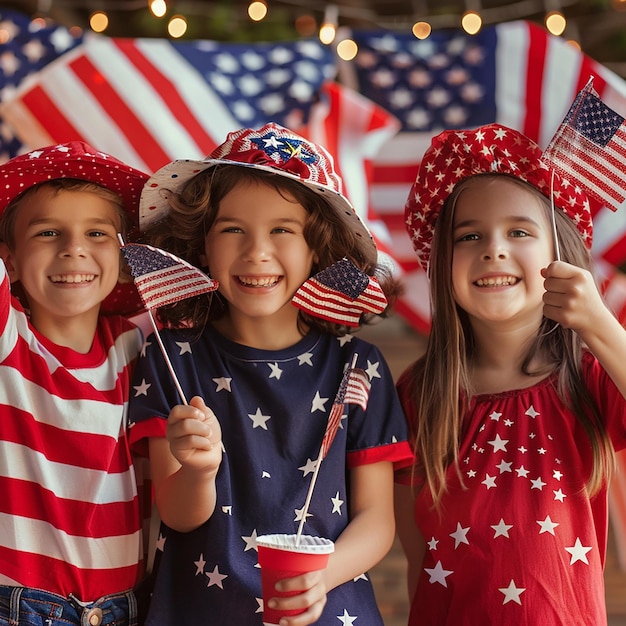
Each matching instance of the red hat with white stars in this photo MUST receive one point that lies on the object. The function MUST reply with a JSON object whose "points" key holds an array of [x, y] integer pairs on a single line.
{"points": [[78, 160], [75, 159], [455, 155], [271, 148]]}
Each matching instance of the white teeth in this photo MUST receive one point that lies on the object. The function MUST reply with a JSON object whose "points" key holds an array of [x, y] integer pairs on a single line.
{"points": [[496, 282], [259, 282], [72, 278]]}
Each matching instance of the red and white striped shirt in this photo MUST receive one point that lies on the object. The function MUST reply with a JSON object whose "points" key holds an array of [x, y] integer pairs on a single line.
{"points": [[69, 512]]}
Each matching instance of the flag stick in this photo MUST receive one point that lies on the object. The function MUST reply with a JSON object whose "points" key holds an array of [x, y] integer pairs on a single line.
{"points": [[167, 358], [557, 250], [160, 342], [309, 495], [555, 235]]}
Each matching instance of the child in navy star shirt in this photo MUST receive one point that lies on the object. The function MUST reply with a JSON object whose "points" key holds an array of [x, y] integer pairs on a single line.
{"points": [[265, 214]]}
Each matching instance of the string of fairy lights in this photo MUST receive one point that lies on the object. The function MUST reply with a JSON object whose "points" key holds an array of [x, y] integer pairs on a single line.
{"points": [[328, 26]]}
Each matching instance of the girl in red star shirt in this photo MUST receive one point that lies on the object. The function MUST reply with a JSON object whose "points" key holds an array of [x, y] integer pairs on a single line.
{"points": [[518, 403]]}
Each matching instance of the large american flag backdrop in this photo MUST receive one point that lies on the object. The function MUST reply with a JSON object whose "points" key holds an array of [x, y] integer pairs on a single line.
{"points": [[150, 101], [513, 73]]}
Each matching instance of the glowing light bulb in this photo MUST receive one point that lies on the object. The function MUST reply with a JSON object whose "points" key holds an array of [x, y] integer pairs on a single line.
{"points": [[177, 26], [421, 30], [158, 8], [328, 30], [556, 23], [98, 21], [327, 33], [575, 44], [257, 10], [347, 49], [38, 23], [471, 22]]}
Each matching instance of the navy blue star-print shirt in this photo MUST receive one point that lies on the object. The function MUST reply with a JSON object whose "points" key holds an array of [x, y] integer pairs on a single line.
{"points": [[273, 408]]}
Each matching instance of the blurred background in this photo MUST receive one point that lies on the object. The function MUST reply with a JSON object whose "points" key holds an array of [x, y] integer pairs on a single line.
{"points": [[598, 26], [373, 81]]}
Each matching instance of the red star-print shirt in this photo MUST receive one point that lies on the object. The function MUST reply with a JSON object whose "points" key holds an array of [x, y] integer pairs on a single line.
{"points": [[522, 543]]}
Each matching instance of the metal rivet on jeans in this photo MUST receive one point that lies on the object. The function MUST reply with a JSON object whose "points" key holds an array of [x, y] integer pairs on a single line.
{"points": [[94, 617]]}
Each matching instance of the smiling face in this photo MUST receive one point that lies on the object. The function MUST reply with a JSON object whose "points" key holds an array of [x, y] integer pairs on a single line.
{"points": [[501, 240], [256, 249], [65, 253]]}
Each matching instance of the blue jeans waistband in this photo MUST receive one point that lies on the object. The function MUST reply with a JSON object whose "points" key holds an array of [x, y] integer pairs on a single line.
{"points": [[35, 607]]}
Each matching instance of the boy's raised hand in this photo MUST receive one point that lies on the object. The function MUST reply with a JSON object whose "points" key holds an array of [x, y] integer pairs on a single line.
{"points": [[195, 436]]}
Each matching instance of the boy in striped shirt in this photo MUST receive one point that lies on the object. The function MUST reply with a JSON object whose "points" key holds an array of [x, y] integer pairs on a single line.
{"points": [[71, 547]]}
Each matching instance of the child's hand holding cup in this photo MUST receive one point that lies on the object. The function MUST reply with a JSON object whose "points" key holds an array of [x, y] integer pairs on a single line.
{"points": [[280, 557]]}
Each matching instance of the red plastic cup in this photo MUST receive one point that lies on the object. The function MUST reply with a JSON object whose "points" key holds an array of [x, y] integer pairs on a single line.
{"points": [[280, 557]]}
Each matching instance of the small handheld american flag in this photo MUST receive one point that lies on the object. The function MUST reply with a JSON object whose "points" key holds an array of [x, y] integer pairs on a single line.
{"points": [[354, 389], [162, 278], [589, 148], [341, 293]]}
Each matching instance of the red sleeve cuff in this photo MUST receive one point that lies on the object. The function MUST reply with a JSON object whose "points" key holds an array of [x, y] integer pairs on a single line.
{"points": [[398, 453], [139, 433]]}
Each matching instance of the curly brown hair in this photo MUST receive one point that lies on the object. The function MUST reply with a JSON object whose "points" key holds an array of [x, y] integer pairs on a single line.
{"points": [[193, 211]]}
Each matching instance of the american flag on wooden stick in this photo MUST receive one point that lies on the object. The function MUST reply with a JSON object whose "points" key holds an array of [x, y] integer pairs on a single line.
{"points": [[162, 278], [354, 389], [589, 147]]}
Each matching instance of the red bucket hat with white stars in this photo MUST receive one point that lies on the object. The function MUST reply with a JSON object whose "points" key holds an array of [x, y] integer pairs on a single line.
{"points": [[455, 155], [78, 160], [273, 149]]}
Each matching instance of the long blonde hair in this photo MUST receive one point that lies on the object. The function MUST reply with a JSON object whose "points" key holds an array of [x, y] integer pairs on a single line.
{"points": [[441, 384]]}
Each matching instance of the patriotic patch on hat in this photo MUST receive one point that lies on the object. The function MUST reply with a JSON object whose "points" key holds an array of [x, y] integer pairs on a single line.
{"points": [[341, 293], [283, 150]]}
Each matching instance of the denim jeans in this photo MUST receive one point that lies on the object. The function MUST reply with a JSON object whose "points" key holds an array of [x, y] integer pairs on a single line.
{"points": [[23, 606]]}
